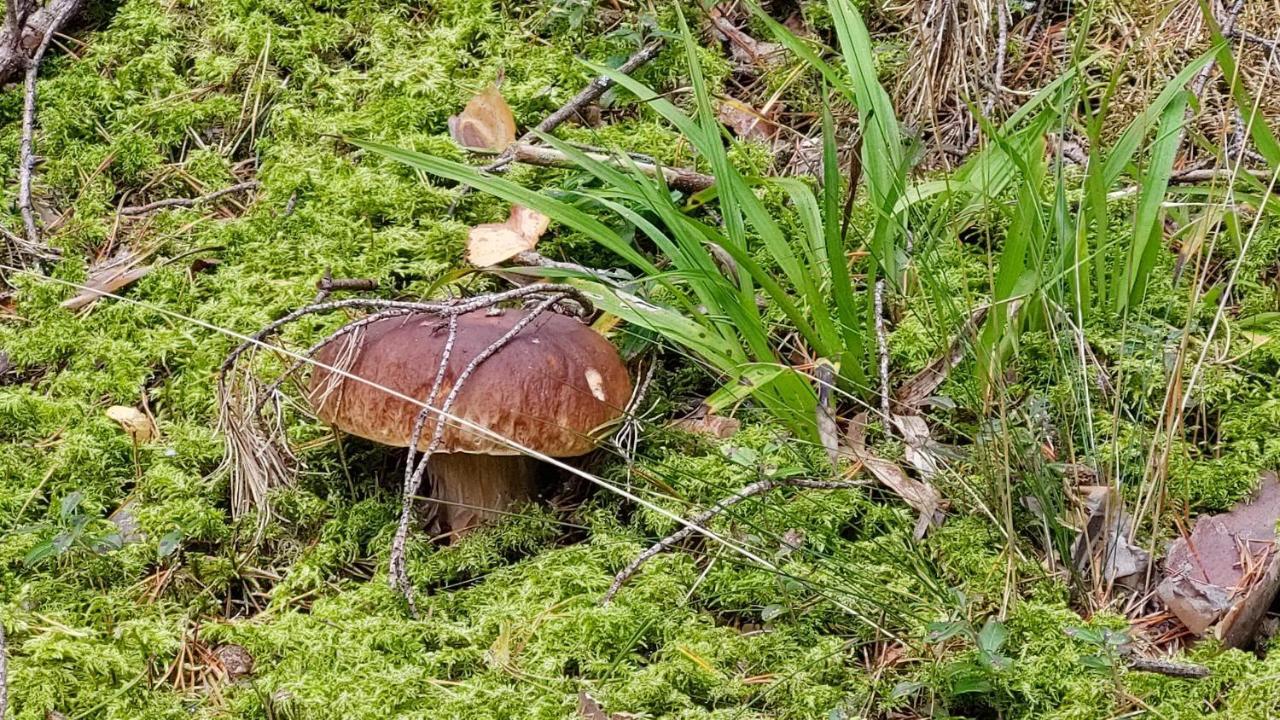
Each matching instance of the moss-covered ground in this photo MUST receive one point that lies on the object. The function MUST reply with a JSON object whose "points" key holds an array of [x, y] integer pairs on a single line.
{"points": [[164, 98]]}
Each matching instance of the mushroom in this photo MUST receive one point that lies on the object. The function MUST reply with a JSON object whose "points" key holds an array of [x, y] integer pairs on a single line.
{"points": [[551, 388]]}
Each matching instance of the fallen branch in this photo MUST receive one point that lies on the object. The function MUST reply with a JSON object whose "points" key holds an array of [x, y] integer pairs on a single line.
{"points": [[134, 210], [22, 31], [1165, 667], [678, 178], [4, 673], [697, 522], [26, 152]]}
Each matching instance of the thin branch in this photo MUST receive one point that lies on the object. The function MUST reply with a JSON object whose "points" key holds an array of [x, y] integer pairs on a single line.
{"points": [[399, 576], [1228, 25], [26, 153], [4, 673], [882, 349], [188, 202], [678, 178], [1165, 667], [699, 521]]}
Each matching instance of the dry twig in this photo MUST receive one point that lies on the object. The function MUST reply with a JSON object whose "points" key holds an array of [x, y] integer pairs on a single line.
{"points": [[697, 522], [4, 673], [188, 202], [678, 178], [26, 151]]}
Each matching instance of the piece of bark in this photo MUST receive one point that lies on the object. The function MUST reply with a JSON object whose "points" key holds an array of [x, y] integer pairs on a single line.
{"points": [[1224, 576]]}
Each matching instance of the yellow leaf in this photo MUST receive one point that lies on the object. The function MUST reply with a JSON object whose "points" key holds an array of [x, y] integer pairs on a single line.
{"points": [[134, 422], [492, 243]]}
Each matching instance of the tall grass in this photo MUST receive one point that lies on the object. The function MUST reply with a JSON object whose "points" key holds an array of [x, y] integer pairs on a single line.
{"points": [[761, 307]]}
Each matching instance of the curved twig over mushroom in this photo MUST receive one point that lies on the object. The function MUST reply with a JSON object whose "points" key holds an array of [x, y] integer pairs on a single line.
{"points": [[530, 378]]}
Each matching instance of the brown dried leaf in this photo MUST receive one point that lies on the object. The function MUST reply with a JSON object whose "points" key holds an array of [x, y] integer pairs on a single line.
{"points": [[492, 243], [745, 49], [107, 280], [1103, 542], [134, 421], [921, 496], [716, 426], [486, 123], [919, 387], [745, 121]]}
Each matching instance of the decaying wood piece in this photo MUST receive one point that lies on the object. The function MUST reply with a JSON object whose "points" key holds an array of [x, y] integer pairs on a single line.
{"points": [[1224, 575], [16, 42]]}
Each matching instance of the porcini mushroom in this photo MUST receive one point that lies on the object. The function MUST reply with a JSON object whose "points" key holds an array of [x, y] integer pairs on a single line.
{"points": [[551, 388]]}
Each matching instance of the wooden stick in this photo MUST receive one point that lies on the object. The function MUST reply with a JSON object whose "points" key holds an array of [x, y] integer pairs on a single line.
{"points": [[26, 156], [678, 178]]}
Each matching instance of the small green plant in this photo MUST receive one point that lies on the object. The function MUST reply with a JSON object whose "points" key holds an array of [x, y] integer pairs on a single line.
{"points": [[72, 530]]}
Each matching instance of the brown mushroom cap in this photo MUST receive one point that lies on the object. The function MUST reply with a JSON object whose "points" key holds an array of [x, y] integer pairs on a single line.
{"points": [[549, 388]]}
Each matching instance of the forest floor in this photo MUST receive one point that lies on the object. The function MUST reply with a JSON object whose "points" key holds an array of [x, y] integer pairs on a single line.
{"points": [[129, 590]]}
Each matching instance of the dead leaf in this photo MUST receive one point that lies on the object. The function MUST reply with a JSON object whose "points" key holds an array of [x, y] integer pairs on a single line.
{"points": [[486, 123], [589, 708], [1228, 571], [745, 121], [1103, 542], [744, 49], [913, 393], [492, 243], [134, 421], [921, 496], [921, 451], [716, 426], [108, 277]]}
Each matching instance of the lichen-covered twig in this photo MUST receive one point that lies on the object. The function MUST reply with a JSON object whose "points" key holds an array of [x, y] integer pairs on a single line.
{"points": [[697, 522], [134, 210], [26, 148], [4, 673], [882, 348], [413, 473], [256, 452]]}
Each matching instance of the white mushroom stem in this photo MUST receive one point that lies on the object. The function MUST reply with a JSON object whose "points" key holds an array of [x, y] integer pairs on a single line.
{"points": [[478, 489]]}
